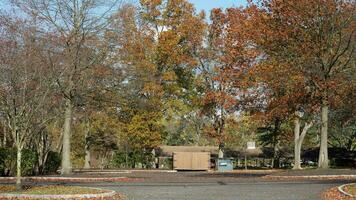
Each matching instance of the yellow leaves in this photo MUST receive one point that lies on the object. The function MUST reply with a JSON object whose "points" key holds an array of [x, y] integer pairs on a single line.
{"points": [[169, 76], [151, 3], [152, 89], [167, 46], [152, 9], [144, 131]]}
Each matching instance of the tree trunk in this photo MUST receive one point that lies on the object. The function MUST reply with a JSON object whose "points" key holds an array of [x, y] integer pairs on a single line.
{"points": [[298, 140], [221, 153], [245, 162], [18, 168], [323, 153], [87, 150], [66, 164], [297, 147], [4, 138], [275, 161]]}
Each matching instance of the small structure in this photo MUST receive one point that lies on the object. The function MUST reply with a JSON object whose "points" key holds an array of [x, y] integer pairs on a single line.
{"points": [[188, 157], [191, 161]]}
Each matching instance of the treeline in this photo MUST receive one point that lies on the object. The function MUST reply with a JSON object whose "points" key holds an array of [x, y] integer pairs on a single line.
{"points": [[81, 76]]}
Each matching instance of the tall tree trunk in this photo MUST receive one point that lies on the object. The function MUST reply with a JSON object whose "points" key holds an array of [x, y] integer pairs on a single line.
{"points": [[297, 147], [323, 153], [276, 142], [275, 161], [4, 136], [66, 164], [298, 141], [221, 130], [87, 146], [18, 168], [221, 152]]}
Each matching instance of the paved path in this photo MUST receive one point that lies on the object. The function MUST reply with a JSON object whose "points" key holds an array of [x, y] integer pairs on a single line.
{"points": [[239, 185], [240, 190]]}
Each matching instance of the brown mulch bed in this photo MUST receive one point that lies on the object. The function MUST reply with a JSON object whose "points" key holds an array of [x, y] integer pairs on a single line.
{"points": [[315, 172], [296, 178], [334, 194]]}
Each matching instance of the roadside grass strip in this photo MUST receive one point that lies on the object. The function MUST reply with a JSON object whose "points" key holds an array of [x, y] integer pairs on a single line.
{"points": [[55, 192], [313, 177], [348, 189], [335, 194], [71, 179]]}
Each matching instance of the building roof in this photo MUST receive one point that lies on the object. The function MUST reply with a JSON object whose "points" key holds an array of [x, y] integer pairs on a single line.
{"points": [[165, 150]]}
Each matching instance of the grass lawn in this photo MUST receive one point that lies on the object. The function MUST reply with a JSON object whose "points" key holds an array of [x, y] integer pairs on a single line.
{"points": [[49, 190], [351, 189]]}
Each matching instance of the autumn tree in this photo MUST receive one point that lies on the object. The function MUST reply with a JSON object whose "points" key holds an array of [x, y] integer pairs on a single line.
{"points": [[25, 82], [75, 25], [317, 39], [155, 45], [223, 64]]}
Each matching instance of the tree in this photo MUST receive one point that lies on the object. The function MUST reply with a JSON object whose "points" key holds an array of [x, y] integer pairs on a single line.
{"points": [[75, 30], [342, 118], [25, 82], [317, 39], [155, 46], [223, 64]]}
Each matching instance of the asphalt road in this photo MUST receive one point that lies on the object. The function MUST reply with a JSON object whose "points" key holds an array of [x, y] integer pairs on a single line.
{"points": [[220, 190]]}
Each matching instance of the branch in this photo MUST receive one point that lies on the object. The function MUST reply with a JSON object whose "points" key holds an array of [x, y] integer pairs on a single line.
{"points": [[307, 126]]}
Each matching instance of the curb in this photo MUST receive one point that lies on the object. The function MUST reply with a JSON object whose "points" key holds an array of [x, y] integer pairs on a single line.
{"points": [[127, 171], [103, 195], [71, 179], [340, 188], [328, 177]]}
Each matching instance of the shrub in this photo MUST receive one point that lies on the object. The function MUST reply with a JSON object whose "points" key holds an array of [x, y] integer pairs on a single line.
{"points": [[8, 161], [29, 160], [53, 163], [132, 159]]}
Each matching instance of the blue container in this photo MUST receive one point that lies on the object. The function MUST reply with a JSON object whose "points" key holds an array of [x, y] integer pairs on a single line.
{"points": [[224, 165]]}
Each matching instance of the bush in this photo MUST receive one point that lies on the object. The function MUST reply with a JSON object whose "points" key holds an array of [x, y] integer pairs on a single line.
{"points": [[132, 159], [28, 161], [8, 161], [119, 160], [53, 163]]}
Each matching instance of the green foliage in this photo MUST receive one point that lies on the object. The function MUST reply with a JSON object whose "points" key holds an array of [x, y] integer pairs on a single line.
{"points": [[53, 163], [240, 131], [132, 159], [8, 161], [29, 159], [145, 131]]}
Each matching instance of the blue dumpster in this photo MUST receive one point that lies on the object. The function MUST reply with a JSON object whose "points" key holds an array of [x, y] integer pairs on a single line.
{"points": [[224, 165]]}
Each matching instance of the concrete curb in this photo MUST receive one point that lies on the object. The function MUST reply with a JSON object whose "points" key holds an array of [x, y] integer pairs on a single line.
{"points": [[108, 194], [327, 177], [71, 179], [128, 171], [340, 188]]}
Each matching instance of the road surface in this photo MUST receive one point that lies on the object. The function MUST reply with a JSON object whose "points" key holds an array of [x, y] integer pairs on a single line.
{"points": [[243, 189]]}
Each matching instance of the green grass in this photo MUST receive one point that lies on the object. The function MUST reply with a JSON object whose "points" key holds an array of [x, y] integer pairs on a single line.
{"points": [[351, 189], [50, 190]]}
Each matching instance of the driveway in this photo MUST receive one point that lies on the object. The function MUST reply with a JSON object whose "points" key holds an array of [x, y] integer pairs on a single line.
{"points": [[191, 186]]}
